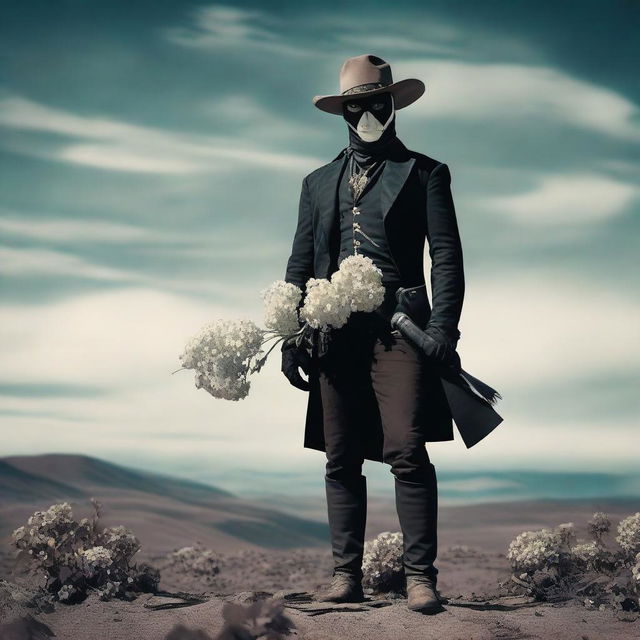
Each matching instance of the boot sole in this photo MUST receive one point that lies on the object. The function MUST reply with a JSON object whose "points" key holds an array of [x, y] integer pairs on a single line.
{"points": [[435, 606], [342, 600]]}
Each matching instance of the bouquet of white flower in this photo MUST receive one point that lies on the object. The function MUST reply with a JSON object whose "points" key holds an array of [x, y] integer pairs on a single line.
{"points": [[224, 352]]}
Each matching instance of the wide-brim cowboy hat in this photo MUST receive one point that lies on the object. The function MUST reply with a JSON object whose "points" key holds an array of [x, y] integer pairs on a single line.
{"points": [[368, 75]]}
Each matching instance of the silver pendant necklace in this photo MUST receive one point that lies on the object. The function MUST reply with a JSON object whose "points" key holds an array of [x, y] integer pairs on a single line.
{"points": [[358, 181]]}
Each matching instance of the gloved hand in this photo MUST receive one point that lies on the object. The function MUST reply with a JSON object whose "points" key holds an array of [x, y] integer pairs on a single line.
{"points": [[293, 357], [443, 348]]}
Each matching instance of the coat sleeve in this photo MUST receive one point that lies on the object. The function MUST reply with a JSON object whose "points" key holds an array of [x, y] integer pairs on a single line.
{"points": [[300, 264], [445, 250]]}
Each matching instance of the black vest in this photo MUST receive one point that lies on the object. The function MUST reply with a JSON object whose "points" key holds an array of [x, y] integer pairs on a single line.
{"points": [[371, 223]]}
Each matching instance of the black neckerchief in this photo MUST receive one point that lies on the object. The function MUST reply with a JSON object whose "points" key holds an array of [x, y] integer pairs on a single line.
{"points": [[364, 153]]}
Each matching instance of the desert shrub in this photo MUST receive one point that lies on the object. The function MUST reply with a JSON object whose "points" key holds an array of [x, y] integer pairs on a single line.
{"points": [[629, 535], [551, 564], [382, 566], [635, 572], [599, 526], [195, 560], [536, 550], [592, 556], [77, 556]]}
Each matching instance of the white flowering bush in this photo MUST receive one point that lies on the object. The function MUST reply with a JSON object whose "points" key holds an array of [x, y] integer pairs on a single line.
{"points": [[225, 352], [382, 566], [76, 556], [95, 559], [589, 554], [635, 572], [629, 534], [195, 560], [535, 550], [599, 526], [552, 564]]}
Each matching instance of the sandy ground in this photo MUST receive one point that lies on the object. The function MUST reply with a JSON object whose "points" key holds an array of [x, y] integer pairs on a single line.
{"points": [[463, 621], [280, 548], [475, 608]]}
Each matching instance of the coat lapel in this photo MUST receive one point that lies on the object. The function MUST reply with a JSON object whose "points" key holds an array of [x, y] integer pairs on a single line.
{"points": [[328, 193], [394, 175]]}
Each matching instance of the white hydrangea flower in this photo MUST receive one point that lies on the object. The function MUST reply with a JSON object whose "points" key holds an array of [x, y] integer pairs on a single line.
{"points": [[96, 558], [324, 305], [220, 355], [360, 281], [281, 300], [629, 533], [382, 565], [533, 550], [56, 514], [588, 553], [355, 286]]}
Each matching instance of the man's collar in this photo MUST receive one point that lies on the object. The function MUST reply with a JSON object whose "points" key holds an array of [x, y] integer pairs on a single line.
{"points": [[397, 151]]}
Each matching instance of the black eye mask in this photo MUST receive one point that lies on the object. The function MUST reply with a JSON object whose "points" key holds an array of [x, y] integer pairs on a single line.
{"points": [[362, 111]]}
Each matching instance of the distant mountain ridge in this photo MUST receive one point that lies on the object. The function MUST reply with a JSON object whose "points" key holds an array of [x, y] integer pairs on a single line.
{"points": [[165, 512], [78, 474]]}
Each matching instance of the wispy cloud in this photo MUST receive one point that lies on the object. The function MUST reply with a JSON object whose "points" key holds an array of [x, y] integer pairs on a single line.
{"points": [[519, 93], [531, 327], [119, 146], [570, 199], [53, 229], [17, 261], [371, 42], [225, 26], [66, 266]]}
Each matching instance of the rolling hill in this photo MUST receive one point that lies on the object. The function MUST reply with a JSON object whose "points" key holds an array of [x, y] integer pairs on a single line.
{"points": [[164, 512]]}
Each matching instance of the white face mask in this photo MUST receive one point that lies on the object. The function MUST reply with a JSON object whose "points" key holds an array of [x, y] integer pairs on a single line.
{"points": [[369, 128]]}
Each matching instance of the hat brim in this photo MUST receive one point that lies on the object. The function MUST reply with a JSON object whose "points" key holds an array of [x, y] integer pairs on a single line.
{"points": [[405, 92]]}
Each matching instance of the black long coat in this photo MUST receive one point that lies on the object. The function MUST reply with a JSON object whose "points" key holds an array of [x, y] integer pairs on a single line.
{"points": [[417, 205]]}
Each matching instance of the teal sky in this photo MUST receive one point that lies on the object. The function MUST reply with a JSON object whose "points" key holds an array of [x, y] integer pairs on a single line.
{"points": [[151, 158]]}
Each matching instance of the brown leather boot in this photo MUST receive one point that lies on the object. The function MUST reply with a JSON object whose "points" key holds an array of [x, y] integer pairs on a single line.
{"points": [[343, 588], [422, 594]]}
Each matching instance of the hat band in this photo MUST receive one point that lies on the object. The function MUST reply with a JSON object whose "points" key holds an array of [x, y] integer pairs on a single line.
{"points": [[363, 88]]}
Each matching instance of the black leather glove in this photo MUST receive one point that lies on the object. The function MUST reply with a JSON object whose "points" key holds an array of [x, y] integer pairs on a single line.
{"points": [[294, 356], [443, 347]]}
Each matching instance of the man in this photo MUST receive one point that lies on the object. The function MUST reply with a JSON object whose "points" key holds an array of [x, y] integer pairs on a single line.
{"points": [[372, 393]]}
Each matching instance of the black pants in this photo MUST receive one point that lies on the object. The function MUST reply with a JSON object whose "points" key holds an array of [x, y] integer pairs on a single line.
{"points": [[367, 362]]}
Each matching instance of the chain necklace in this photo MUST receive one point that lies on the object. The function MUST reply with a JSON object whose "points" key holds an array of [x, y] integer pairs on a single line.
{"points": [[358, 181]]}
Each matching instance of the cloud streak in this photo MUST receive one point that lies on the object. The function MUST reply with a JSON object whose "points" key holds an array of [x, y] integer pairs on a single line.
{"points": [[229, 27], [115, 145], [521, 94], [51, 229], [576, 199]]}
